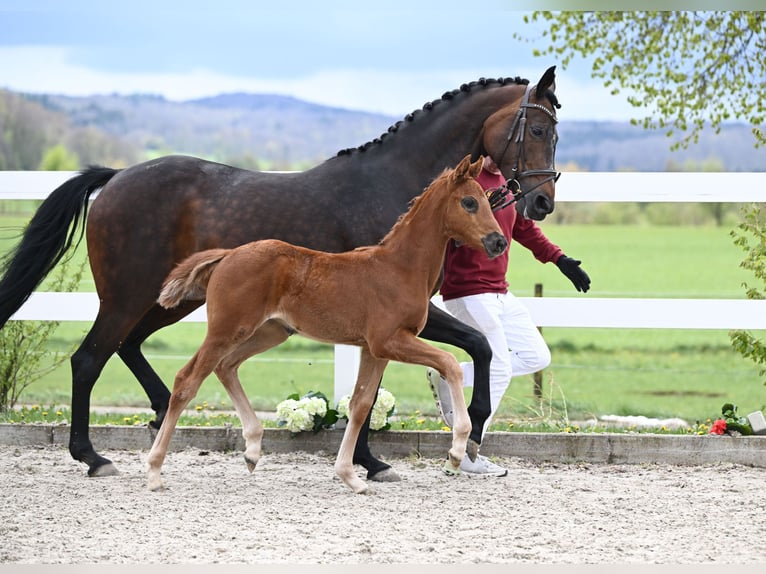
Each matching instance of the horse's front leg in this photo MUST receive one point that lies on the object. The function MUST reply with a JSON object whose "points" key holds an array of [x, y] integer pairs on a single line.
{"points": [[444, 328], [365, 391]]}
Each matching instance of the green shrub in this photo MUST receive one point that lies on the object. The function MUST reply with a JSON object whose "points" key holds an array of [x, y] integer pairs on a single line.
{"points": [[24, 357], [750, 235]]}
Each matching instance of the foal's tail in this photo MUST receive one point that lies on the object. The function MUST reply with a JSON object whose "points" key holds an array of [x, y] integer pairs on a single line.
{"points": [[189, 279], [56, 225]]}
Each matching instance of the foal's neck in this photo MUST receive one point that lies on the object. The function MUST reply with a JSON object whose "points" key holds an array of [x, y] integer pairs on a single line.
{"points": [[419, 239]]}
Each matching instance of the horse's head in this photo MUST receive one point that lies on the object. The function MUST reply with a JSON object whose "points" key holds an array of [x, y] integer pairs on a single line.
{"points": [[521, 138], [469, 218]]}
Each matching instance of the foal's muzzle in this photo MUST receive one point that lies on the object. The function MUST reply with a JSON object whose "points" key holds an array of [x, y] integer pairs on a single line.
{"points": [[494, 244]]}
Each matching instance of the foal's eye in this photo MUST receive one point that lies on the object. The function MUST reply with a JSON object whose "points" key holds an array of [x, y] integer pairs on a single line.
{"points": [[470, 204]]}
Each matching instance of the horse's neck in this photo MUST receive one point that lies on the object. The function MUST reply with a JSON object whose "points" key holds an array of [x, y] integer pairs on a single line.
{"points": [[421, 148]]}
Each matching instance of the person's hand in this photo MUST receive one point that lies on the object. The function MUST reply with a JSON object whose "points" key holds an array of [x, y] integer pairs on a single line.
{"points": [[498, 198], [571, 268]]}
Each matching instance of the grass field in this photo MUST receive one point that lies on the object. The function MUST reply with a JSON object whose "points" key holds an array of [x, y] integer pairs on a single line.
{"points": [[657, 373]]}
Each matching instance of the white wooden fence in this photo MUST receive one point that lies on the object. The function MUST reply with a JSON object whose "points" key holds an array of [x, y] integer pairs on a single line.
{"points": [[547, 311]]}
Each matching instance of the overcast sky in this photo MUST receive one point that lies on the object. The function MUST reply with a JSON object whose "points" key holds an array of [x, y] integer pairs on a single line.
{"points": [[390, 61]]}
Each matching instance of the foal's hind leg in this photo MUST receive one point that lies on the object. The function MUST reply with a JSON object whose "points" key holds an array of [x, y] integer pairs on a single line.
{"points": [[269, 335], [185, 387], [370, 372]]}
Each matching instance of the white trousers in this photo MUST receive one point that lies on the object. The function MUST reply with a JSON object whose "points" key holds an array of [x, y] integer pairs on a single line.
{"points": [[518, 348]]}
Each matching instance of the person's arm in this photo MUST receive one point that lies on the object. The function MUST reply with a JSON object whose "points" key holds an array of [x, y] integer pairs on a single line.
{"points": [[529, 234]]}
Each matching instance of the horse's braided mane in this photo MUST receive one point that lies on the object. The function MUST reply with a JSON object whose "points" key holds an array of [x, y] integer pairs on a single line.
{"points": [[447, 96]]}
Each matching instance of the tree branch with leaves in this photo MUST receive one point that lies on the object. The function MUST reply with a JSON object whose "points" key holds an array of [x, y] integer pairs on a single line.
{"points": [[684, 69]]}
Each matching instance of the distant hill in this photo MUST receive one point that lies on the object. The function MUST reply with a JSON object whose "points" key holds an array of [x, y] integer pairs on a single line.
{"points": [[282, 131], [613, 146]]}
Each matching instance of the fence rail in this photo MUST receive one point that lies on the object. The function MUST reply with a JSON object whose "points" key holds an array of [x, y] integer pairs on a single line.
{"points": [[740, 187]]}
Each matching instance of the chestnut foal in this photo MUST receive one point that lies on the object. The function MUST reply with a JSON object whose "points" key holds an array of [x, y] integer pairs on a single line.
{"points": [[374, 297]]}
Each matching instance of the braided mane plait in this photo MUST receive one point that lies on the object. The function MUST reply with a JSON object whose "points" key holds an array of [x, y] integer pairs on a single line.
{"points": [[447, 96]]}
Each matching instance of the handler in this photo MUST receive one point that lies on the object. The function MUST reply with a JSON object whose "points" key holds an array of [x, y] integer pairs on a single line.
{"points": [[475, 291]]}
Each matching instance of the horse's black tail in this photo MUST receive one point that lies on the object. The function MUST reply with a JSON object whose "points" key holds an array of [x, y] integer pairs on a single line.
{"points": [[58, 222]]}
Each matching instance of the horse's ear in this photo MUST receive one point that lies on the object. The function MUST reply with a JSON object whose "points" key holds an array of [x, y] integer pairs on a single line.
{"points": [[463, 168], [548, 81]]}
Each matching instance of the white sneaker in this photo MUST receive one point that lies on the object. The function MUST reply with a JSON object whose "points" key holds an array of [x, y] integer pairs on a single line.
{"points": [[440, 390], [482, 466]]}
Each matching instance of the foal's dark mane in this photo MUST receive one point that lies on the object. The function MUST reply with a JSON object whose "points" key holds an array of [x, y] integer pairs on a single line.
{"points": [[446, 97]]}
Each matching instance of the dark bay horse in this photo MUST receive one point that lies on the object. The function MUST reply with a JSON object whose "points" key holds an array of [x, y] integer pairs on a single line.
{"points": [[377, 298], [152, 215]]}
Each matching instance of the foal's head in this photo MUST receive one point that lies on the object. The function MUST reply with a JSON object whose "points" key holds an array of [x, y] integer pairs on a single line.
{"points": [[468, 216]]}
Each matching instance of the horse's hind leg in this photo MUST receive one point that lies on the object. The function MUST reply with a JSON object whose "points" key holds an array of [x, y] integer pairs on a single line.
{"points": [[87, 362], [269, 335], [370, 371], [130, 353]]}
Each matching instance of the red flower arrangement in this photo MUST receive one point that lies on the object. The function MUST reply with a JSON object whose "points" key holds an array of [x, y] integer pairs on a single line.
{"points": [[719, 427]]}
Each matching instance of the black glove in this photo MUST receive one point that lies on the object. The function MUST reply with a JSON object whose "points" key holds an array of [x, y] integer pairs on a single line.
{"points": [[498, 197], [571, 268]]}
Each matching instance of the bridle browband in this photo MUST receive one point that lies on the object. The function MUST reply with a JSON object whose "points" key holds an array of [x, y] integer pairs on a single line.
{"points": [[512, 185]]}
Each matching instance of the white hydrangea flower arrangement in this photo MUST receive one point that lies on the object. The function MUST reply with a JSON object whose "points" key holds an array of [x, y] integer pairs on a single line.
{"points": [[384, 407], [309, 412]]}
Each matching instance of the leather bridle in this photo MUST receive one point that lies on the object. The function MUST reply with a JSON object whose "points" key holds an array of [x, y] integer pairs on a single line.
{"points": [[518, 128]]}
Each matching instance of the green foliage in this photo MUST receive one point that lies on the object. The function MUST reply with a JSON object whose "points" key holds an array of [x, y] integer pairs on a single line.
{"points": [[750, 235], [734, 422], [686, 68], [59, 158], [24, 356]]}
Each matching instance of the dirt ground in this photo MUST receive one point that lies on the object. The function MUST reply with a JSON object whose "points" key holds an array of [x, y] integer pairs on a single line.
{"points": [[293, 510]]}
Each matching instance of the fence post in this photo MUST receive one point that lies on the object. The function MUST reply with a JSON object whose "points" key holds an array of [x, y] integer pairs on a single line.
{"points": [[538, 376]]}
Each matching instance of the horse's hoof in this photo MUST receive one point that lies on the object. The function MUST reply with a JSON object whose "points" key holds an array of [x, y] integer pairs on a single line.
{"points": [[472, 450], [107, 469], [159, 417], [385, 475], [450, 469]]}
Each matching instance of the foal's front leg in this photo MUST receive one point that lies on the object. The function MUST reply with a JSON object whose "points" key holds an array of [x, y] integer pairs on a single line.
{"points": [[365, 389], [407, 348]]}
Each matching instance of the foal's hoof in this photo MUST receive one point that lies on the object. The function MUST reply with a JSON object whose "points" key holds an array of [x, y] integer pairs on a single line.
{"points": [[385, 475], [450, 469], [250, 464], [107, 469]]}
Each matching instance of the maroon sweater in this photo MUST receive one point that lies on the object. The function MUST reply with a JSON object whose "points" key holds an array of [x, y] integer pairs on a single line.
{"points": [[470, 272]]}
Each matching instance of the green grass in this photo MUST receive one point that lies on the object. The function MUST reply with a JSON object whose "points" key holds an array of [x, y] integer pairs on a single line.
{"points": [[653, 372]]}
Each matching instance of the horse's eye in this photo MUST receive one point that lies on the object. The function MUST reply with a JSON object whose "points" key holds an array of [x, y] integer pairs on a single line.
{"points": [[470, 204], [537, 131]]}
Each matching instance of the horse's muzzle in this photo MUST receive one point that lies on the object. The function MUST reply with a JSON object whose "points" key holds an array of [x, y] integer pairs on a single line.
{"points": [[494, 244], [535, 206]]}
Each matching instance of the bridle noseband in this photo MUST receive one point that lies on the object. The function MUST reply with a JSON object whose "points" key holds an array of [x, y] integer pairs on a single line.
{"points": [[512, 184]]}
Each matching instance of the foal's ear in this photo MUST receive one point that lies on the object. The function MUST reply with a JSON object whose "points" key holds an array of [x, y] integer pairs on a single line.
{"points": [[548, 81], [475, 168], [463, 168]]}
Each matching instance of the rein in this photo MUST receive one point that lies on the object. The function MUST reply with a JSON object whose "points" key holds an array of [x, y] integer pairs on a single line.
{"points": [[512, 185]]}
